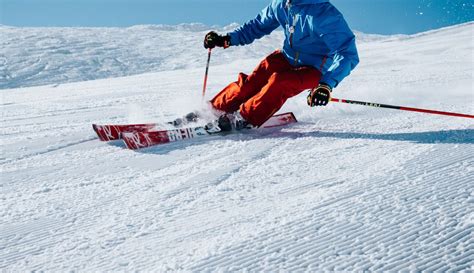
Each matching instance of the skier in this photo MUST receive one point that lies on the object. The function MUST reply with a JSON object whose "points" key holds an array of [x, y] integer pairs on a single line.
{"points": [[319, 51]]}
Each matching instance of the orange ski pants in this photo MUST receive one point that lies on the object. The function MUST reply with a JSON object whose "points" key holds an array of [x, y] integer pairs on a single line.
{"points": [[263, 93]]}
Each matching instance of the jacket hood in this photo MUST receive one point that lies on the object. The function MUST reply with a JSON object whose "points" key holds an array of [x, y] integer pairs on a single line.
{"points": [[306, 2]]}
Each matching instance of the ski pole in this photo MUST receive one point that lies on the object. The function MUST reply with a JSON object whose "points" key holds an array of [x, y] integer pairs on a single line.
{"points": [[403, 108], [207, 72]]}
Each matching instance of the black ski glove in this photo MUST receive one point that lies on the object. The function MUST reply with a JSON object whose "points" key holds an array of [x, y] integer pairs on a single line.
{"points": [[212, 39], [319, 96]]}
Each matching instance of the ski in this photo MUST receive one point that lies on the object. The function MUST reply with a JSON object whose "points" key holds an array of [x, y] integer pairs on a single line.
{"points": [[141, 139], [113, 132]]}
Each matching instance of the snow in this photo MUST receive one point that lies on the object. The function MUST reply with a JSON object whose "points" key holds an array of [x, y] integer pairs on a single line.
{"points": [[348, 188], [61, 55]]}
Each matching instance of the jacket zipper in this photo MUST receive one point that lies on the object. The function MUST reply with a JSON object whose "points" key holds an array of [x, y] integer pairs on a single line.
{"points": [[291, 30]]}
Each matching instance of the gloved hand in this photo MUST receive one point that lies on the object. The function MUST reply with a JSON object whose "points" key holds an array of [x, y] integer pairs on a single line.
{"points": [[319, 96], [212, 39]]}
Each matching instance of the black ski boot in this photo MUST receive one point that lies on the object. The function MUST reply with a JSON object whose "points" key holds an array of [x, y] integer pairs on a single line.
{"points": [[221, 124], [233, 121], [224, 123], [228, 122], [239, 123]]}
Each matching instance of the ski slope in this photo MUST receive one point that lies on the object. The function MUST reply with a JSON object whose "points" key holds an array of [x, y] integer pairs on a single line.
{"points": [[348, 188]]}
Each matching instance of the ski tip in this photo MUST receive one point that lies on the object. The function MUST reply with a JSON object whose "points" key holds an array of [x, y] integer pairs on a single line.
{"points": [[129, 140], [280, 120], [290, 115], [96, 130], [294, 117]]}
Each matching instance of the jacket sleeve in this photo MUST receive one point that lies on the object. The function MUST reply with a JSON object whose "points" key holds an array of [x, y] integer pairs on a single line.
{"points": [[340, 40], [262, 25]]}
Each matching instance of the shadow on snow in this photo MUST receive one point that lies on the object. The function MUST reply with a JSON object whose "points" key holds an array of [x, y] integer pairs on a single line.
{"points": [[463, 136]]}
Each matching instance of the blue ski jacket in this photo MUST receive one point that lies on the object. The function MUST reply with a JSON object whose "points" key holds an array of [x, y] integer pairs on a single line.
{"points": [[316, 34]]}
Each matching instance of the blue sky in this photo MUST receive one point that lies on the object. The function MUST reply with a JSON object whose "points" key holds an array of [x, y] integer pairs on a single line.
{"points": [[370, 16]]}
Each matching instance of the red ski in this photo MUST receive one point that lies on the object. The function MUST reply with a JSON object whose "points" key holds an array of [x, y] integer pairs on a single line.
{"points": [[142, 139], [112, 132]]}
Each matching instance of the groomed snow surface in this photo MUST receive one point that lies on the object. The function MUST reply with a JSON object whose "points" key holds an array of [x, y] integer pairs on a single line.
{"points": [[348, 188]]}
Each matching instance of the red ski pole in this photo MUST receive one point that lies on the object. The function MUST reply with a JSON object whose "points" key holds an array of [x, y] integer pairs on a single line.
{"points": [[207, 72], [364, 103]]}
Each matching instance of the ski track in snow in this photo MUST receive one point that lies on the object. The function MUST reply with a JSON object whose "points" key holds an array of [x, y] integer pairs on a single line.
{"points": [[348, 188]]}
